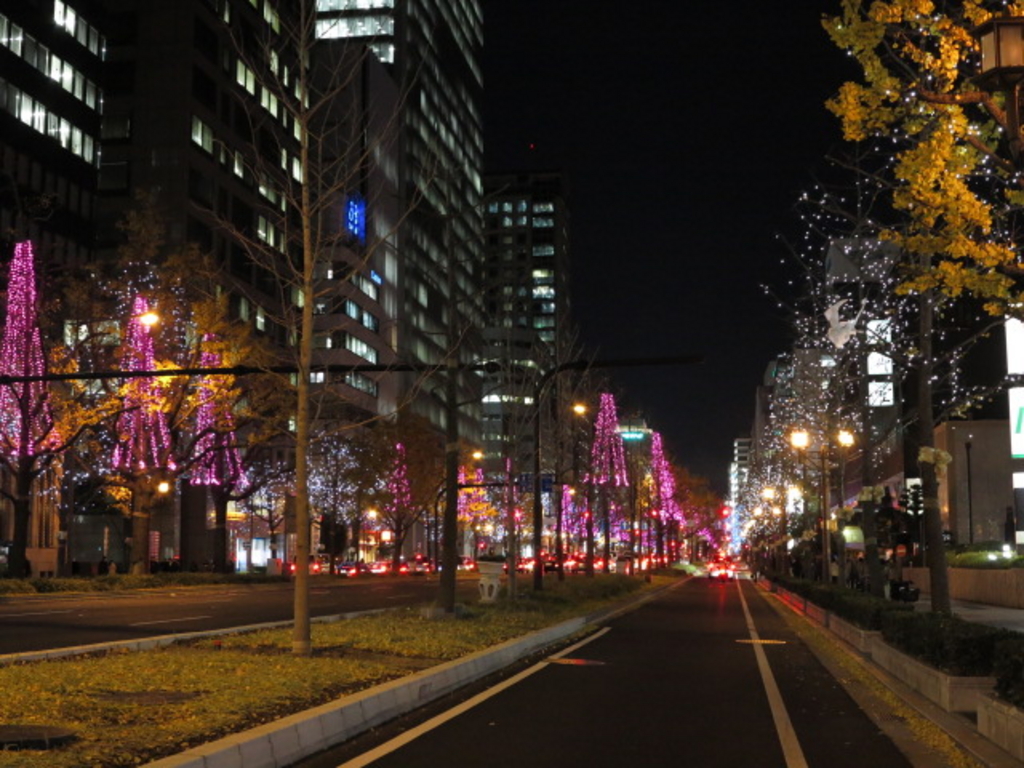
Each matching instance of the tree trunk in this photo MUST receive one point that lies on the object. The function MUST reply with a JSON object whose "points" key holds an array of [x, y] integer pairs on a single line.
{"points": [[18, 565], [143, 492], [606, 524], [935, 547]]}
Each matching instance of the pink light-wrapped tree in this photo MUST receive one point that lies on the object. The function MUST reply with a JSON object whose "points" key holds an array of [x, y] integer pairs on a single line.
{"points": [[143, 446], [219, 462], [607, 471], [28, 440]]}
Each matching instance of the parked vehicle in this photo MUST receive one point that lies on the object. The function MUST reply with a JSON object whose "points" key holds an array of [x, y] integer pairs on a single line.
{"points": [[315, 568], [351, 569]]}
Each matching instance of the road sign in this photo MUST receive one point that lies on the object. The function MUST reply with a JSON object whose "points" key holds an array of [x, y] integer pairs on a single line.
{"points": [[901, 550]]}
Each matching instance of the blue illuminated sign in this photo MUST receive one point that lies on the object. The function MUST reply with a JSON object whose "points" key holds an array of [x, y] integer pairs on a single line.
{"points": [[355, 217]]}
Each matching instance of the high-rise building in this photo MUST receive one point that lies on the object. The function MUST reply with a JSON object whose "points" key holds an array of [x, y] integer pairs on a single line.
{"points": [[51, 70], [526, 299], [527, 255], [432, 48], [196, 117]]}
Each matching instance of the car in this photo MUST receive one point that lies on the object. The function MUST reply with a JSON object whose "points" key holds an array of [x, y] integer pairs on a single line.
{"points": [[418, 565], [721, 570], [351, 569], [315, 568], [380, 567]]}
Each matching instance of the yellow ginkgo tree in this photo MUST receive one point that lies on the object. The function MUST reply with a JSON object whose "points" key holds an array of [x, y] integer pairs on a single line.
{"points": [[954, 182]]}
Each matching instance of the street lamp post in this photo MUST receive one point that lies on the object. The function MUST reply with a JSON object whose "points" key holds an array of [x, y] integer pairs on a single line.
{"points": [[1001, 41], [801, 441], [970, 496]]}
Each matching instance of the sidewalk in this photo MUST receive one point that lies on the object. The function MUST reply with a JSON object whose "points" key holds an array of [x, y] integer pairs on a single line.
{"points": [[990, 615]]}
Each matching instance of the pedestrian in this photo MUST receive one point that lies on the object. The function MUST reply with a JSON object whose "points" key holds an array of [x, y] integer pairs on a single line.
{"points": [[833, 570], [101, 570]]}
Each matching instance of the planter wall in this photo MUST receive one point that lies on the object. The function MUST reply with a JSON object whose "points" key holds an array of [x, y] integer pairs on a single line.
{"points": [[860, 639], [1002, 724], [995, 587], [951, 692]]}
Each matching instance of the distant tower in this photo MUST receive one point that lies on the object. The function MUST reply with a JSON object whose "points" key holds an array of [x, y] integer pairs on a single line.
{"points": [[526, 297]]}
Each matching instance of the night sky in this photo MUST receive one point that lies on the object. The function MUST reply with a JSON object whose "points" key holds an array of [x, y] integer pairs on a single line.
{"points": [[687, 130]]}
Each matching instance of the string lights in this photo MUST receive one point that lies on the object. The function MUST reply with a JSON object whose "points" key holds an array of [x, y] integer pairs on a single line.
{"points": [[144, 438], [26, 418]]}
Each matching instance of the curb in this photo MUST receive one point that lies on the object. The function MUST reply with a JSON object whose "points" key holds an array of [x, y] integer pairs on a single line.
{"points": [[292, 738]]}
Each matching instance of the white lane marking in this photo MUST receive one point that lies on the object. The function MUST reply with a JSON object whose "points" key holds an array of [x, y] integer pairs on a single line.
{"points": [[37, 613], [168, 621], [400, 741], [784, 727]]}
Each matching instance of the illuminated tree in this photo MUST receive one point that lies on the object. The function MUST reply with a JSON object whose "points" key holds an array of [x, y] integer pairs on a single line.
{"points": [[28, 441], [666, 510], [607, 470], [399, 514], [143, 438], [219, 462], [955, 191]]}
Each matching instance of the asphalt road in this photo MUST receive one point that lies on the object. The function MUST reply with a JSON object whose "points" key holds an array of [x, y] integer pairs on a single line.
{"points": [[45, 622], [708, 674]]}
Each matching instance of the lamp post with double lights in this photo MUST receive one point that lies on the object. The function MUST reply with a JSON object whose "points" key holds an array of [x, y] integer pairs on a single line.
{"points": [[801, 441]]}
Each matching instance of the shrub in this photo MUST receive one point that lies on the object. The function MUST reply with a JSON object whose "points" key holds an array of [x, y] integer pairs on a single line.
{"points": [[1008, 668], [15, 587], [866, 611], [859, 608], [74, 584], [984, 560], [948, 643]]}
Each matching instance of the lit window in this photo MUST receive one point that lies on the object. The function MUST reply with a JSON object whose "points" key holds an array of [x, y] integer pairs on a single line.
{"points": [[339, 27], [879, 364], [245, 77], [880, 394], [879, 331], [202, 134], [543, 276]]}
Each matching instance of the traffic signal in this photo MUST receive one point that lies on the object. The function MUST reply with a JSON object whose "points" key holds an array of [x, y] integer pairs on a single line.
{"points": [[725, 510]]}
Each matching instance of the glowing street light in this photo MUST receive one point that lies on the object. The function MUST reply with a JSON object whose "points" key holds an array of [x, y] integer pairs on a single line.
{"points": [[800, 439]]}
